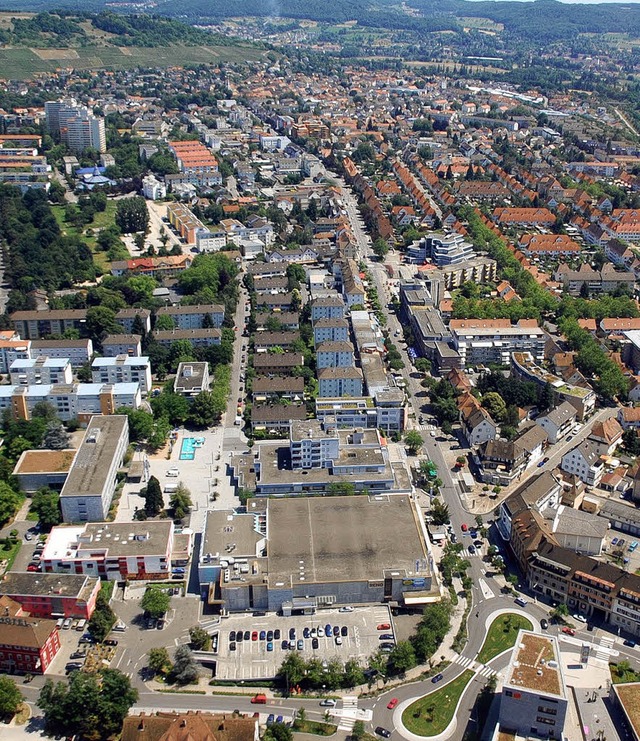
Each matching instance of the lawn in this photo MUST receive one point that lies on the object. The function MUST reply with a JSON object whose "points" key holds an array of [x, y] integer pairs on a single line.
{"points": [[431, 714], [9, 554], [313, 726], [502, 635], [101, 220]]}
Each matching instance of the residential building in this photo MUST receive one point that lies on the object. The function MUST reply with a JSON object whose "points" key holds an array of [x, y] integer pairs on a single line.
{"points": [[91, 482], [152, 188], [197, 337], [329, 307], [558, 422], [28, 644], [584, 461], [71, 401], [476, 423], [117, 551], [579, 531], [52, 595], [78, 351], [480, 270], [123, 369], [196, 726], [274, 388], [34, 325], [277, 363], [122, 344], [484, 341], [448, 249], [276, 418], [330, 330], [606, 435], [126, 318], [40, 370], [313, 446], [340, 381], [192, 379], [385, 411], [334, 355], [266, 341], [160, 268], [502, 462], [75, 126], [12, 348], [199, 316], [534, 699]]}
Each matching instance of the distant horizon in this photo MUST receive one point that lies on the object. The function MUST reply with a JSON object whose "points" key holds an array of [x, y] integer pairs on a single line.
{"points": [[570, 2]]}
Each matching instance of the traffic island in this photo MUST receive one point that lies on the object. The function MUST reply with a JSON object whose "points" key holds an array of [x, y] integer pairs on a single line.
{"points": [[502, 635], [432, 714]]}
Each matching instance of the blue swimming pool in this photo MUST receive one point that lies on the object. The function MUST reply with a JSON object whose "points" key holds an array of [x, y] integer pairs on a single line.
{"points": [[188, 449]]}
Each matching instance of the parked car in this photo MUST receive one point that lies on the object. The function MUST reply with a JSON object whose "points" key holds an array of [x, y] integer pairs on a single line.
{"points": [[464, 527], [392, 703], [263, 635], [569, 631], [270, 635], [320, 632], [300, 644], [315, 643], [338, 640], [346, 608], [271, 719], [292, 633], [383, 626], [269, 646], [544, 624], [336, 630], [284, 645], [386, 637], [344, 631], [232, 646], [254, 635], [306, 633], [630, 643], [247, 635], [579, 618], [276, 634], [72, 666], [328, 630], [232, 635]]}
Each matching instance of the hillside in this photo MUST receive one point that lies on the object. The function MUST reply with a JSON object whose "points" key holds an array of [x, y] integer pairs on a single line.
{"points": [[43, 42], [534, 21]]}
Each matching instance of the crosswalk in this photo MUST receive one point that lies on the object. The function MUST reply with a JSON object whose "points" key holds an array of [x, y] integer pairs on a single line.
{"points": [[426, 427], [349, 713], [602, 651], [481, 669]]}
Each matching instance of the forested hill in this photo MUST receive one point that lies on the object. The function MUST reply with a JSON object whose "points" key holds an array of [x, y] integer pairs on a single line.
{"points": [[536, 21]]}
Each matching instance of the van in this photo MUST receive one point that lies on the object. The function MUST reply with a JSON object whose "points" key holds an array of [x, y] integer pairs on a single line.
{"points": [[81, 624], [521, 602], [259, 699], [170, 488]]}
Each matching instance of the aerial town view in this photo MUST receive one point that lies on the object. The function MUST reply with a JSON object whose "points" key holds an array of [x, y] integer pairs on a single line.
{"points": [[319, 370]]}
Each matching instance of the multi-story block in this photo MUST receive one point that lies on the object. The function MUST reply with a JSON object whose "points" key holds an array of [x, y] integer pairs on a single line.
{"points": [[483, 341], [33, 325], [191, 379], [41, 370], [122, 344], [112, 550], [277, 363], [340, 381], [271, 388], [330, 307], [558, 422], [52, 595], [534, 696], [12, 348], [199, 316], [334, 355], [91, 482], [78, 351], [28, 644], [127, 317], [197, 337], [330, 330], [123, 369], [584, 462]]}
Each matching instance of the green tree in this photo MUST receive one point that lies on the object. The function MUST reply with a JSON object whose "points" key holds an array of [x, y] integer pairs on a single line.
{"points": [[199, 638], [141, 423], [292, 670], [440, 513], [155, 602], [153, 499], [402, 657], [46, 504], [413, 440], [101, 321], [204, 410], [132, 215], [180, 502], [10, 697], [278, 732], [358, 731], [164, 323], [103, 618], [159, 661], [380, 248], [341, 489], [9, 502], [185, 670], [56, 437], [353, 673], [495, 405]]}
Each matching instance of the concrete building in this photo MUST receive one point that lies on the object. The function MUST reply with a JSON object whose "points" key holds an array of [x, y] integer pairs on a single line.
{"points": [[112, 550], [584, 462], [534, 696], [558, 422], [122, 344], [34, 325], [52, 595], [339, 382], [329, 307], [197, 337], [29, 644], [191, 379], [126, 319], [41, 370], [123, 369], [485, 341], [281, 560], [330, 330], [194, 317], [37, 469], [386, 411], [334, 355], [78, 351], [91, 483], [75, 126]]}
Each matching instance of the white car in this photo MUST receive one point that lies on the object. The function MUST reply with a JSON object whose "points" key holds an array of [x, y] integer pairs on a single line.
{"points": [[346, 608], [173, 473], [580, 618]]}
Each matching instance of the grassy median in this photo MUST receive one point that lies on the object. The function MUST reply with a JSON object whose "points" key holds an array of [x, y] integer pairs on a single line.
{"points": [[502, 635], [431, 714]]}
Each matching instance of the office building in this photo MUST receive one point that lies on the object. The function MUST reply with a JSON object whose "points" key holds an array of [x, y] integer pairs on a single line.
{"points": [[52, 595]]}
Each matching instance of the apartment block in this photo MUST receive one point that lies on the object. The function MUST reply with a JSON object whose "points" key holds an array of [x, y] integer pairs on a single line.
{"points": [[33, 325], [78, 351], [194, 317], [122, 344], [484, 341], [197, 337], [334, 355], [52, 595], [123, 369], [41, 370], [91, 482], [340, 381]]}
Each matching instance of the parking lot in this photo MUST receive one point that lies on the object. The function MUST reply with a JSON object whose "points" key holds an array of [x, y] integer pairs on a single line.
{"points": [[251, 658]]}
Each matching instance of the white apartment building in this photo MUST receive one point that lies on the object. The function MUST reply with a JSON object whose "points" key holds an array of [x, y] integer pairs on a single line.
{"points": [[25, 372], [123, 369], [584, 462]]}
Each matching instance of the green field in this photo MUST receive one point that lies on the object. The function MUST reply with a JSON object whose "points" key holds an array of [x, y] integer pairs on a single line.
{"points": [[431, 714], [19, 63], [502, 635]]}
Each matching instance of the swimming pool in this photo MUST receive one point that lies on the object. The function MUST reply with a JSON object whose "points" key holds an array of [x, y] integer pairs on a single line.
{"points": [[188, 449]]}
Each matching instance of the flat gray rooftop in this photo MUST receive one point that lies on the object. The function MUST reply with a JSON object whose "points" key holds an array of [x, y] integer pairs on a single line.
{"points": [[342, 538], [92, 464]]}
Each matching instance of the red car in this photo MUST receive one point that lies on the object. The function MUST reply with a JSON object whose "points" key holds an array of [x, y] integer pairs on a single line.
{"points": [[392, 703], [33, 567], [383, 626], [254, 635], [568, 631], [464, 527]]}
